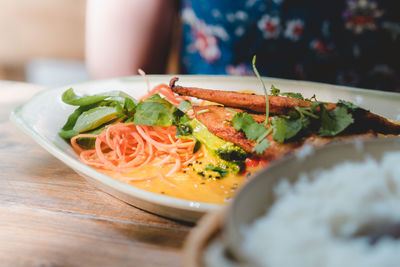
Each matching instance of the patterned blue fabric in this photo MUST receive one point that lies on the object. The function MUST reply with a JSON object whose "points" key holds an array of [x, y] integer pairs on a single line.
{"points": [[348, 42]]}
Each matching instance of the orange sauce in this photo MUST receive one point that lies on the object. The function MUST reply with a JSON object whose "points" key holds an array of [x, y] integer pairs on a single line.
{"points": [[188, 183]]}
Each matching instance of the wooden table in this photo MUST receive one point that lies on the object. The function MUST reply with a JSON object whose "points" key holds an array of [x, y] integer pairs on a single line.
{"points": [[50, 216]]}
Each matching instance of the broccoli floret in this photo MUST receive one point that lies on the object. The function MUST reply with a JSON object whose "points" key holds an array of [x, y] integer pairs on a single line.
{"points": [[228, 155], [231, 152]]}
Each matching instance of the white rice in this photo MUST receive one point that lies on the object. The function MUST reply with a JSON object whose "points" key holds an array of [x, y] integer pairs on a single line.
{"points": [[314, 221], [305, 151]]}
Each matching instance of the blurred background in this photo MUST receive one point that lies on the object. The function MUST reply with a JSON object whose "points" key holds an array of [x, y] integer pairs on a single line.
{"points": [[42, 41]]}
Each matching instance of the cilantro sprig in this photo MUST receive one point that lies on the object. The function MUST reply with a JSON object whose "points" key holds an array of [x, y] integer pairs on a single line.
{"points": [[297, 123], [253, 130], [335, 121], [317, 117], [265, 91], [276, 92]]}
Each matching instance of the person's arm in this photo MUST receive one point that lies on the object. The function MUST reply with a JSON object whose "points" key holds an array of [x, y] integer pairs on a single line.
{"points": [[125, 35]]}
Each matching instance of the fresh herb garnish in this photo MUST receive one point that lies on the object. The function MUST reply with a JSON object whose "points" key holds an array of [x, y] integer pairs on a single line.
{"points": [[155, 110], [242, 122], [326, 123], [287, 127], [221, 171], [335, 121], [276, 92], [254, 131], [350, 106], [245, 122], [293, 95], [265, 91], [261, 147]]}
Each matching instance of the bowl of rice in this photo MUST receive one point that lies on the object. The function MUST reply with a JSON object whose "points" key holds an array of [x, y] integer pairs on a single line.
{"points": [[334, 206]]}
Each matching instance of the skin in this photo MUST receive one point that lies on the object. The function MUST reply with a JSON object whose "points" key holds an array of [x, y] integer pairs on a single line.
{"points": [[125, 35]]}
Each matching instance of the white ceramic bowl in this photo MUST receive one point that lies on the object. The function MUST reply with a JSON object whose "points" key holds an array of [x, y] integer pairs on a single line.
{"points": [[258, 193]]}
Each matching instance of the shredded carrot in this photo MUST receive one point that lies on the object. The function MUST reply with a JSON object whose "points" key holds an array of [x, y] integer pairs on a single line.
{"points": [[123, 147]]}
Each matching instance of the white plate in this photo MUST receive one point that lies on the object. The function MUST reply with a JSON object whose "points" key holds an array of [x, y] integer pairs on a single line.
{"points": [[43, 116]]}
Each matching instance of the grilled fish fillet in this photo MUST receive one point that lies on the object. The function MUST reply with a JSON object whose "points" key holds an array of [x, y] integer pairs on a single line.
{"points": [[282, 105], [252, 102], [216, 120]]}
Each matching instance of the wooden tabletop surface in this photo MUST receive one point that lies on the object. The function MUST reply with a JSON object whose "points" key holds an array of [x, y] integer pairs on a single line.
{"points": [[50, 216]]}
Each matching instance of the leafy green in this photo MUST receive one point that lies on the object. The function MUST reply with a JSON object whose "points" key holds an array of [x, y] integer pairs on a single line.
{"points": [[276, 92], [308, 111], [93, 118], [327, 123], [265, 90], [245, 122], [254, 131], [242, 121], [130, 104], [182, 127], [69, 125], [155, 110], [334, 122], [96, 110], [67, 134], [69, 97], [223, 172], [181, 122], [350, 106], [261, 147], [286, 127], [293, 95]]}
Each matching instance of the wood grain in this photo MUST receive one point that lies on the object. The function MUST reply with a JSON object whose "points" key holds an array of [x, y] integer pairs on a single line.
{"points": [[50, 216]]}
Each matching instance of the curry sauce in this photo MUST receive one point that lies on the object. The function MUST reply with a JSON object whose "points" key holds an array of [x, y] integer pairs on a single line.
{"points": [[191, 183]]}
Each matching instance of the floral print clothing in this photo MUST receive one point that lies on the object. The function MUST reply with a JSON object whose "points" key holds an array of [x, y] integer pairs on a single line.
{"points": [[347, 42]]}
